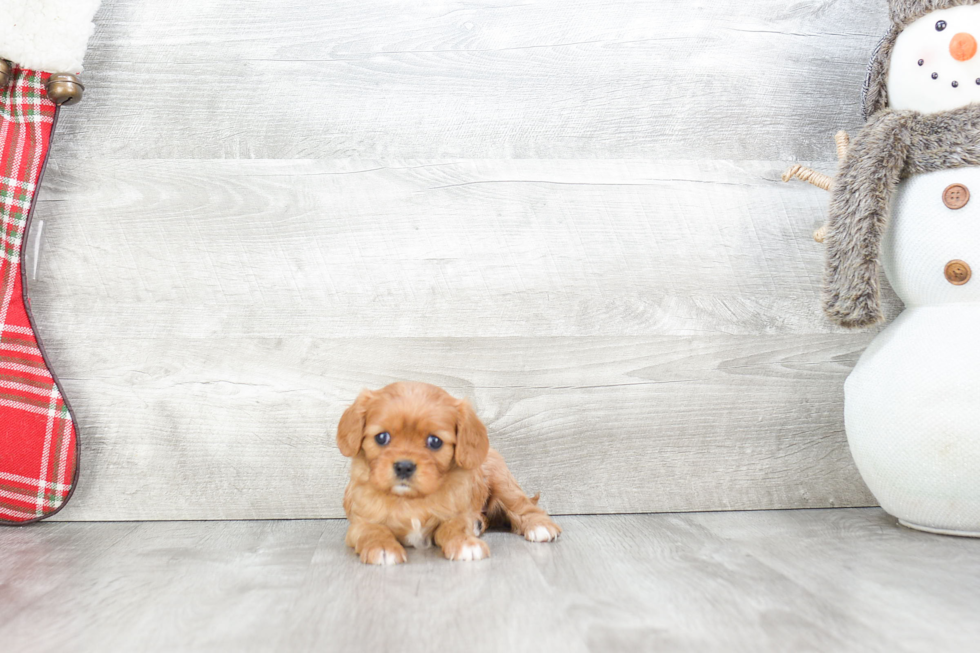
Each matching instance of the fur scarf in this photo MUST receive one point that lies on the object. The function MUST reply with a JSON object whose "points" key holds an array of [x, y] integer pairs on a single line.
{"points": [[892, 146]]}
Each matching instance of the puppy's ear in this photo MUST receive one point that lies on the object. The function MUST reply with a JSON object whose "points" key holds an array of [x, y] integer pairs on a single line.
{"points": [[472, 443], [350, 431]]}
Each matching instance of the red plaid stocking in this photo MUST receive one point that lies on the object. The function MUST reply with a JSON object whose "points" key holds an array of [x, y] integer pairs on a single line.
{"points": [[38, 456]]}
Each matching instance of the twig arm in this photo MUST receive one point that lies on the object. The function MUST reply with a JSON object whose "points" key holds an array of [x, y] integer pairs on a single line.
{"points": [[819, 179], [843, 142], [809, 175]]}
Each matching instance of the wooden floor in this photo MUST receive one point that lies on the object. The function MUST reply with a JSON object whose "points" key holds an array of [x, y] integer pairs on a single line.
{"points": [[822, 580]]}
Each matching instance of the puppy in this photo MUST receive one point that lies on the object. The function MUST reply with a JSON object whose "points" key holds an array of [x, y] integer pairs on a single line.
{"points": [[423, 471]]}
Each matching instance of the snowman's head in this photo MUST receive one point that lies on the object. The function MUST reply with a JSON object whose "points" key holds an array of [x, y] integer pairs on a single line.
{"points": [[929, 61], [935, 63]]}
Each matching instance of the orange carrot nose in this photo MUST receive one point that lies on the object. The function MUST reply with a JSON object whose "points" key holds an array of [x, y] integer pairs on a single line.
{"points": [[963, 47]]}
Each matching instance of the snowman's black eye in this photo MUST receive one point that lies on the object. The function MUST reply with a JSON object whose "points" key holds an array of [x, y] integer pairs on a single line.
{"points": [[941, 25], [956, 84], [935, 75], [922, 62]]}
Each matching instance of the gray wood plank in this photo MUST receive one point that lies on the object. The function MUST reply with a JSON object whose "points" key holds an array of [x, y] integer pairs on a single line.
{"points": [[244, 429], [841, 580], [160, 249], [756, 79], [847, 571]]}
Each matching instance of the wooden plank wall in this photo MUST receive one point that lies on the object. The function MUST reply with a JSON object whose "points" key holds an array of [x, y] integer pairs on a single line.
{"points": [[568, 210]]}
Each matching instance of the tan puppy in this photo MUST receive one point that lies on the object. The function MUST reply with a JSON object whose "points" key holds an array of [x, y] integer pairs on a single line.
{"points": [[423, 470]]}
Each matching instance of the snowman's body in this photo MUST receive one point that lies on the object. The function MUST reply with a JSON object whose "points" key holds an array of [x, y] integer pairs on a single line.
{"points": [[912, 403]]}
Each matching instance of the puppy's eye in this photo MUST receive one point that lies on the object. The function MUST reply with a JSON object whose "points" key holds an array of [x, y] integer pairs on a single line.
{"points": [[382, 438], [433, 443], [941, 25]]}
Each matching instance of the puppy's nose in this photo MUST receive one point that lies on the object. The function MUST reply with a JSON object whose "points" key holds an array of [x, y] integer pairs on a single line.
{"points": [[963, 46], [404, 469]]}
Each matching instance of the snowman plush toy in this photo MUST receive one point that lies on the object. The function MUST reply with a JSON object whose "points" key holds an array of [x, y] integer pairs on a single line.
{"points": [[906, 201]]}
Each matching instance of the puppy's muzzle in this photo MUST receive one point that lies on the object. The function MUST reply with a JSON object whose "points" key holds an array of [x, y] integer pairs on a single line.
{"points": [[404, 469]]}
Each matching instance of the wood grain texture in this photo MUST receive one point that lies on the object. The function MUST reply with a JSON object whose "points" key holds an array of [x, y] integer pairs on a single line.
{"points": [[433, 249], [244, 429], [664, 79], [642, 309], [570, 212], [841, 580]]}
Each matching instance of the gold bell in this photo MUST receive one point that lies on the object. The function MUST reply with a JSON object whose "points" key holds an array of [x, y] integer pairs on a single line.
{"points": [[64, 89], [6, 69]]}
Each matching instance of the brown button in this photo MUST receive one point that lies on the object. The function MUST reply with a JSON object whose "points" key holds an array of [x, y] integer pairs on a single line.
{"points": [[956, 196], [958, 272]]}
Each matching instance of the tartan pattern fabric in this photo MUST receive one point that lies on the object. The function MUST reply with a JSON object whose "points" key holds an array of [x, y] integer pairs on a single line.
{"points": [[37, 435]]}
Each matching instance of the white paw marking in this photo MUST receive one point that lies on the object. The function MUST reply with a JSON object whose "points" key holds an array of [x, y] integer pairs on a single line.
{"points": [[385, 558], [470, 552], [539, 534]]}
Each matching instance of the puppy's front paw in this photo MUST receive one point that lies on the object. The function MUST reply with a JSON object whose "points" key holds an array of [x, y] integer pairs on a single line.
{"points": [[466, 548], [384, 554], [540, 528]]}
